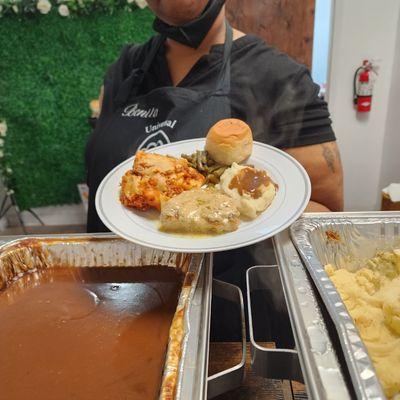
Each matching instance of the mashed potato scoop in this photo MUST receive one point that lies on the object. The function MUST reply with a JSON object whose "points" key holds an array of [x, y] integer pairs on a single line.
{"points": [[252, 190]]}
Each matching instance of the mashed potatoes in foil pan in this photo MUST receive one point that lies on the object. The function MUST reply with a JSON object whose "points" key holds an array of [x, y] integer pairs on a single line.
{"points": [[354, 261], [372, 297]]}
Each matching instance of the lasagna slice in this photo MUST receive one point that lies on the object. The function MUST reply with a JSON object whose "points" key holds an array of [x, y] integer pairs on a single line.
{"points": [[156, 178]]}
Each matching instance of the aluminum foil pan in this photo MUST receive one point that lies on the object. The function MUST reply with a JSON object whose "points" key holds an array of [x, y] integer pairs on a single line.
{"points": [[346, 240], [28, 255]]}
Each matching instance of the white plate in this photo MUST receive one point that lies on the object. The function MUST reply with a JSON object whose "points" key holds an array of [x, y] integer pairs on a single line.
{"points": [[142, 227]]}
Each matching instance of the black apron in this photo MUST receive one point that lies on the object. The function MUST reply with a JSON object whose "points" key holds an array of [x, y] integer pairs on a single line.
{"points": [[164, 115]]}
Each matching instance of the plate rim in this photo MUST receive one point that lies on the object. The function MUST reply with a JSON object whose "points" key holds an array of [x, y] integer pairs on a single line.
{"points": [[207, 249]]}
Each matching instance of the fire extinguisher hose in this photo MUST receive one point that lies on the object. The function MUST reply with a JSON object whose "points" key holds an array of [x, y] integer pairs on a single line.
{"points": [[354, 84]]}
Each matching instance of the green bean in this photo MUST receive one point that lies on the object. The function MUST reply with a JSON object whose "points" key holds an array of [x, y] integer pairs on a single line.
{"points": [[203, 163], [213, 168], [198, 159], [212, 178], [219, 171]]}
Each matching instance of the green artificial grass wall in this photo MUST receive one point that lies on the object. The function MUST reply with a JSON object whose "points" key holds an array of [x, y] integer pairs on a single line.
{"points": [[50, 68]]}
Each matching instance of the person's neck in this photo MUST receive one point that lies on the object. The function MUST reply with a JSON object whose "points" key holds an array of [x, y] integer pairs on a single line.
{"points": [[216, 35]]}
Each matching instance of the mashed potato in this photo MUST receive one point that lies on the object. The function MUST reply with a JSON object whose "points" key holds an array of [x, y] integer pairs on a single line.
{"points": [[372, 297], [252, 189]]}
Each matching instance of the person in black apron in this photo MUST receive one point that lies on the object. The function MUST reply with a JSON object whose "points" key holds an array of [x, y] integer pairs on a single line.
{"points": [[135, 116]]}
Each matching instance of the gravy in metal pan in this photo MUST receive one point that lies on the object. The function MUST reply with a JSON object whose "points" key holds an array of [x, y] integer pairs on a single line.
{"points": [[86, 333]]}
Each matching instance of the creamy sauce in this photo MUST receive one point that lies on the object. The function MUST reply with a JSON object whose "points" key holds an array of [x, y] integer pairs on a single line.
{"points": [[86, 333], [200, 211], [189, 235], [249, 180]]}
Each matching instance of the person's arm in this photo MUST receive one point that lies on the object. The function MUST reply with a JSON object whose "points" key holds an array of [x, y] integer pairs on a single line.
{"points": [[323, 165], [101, 96]]}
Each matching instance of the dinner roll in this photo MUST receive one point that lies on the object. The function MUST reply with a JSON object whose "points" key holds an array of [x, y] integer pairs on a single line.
{"points": [[229, 140]]}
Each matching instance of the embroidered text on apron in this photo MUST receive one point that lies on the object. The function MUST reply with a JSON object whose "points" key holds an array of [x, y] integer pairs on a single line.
{"points": [[164, 115]]}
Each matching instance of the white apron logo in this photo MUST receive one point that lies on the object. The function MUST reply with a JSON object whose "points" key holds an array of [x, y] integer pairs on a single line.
{"points": [[133, 110], [154, 140]]}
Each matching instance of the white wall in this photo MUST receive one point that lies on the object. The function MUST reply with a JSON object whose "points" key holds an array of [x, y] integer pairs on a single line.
{"points": [[390, 171], [363, 29]]}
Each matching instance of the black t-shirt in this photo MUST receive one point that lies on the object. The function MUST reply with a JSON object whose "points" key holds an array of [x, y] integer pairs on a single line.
{"points": [[271, 92]]}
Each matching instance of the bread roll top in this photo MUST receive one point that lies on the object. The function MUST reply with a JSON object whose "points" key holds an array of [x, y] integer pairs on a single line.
{"points": [[228, 131], [229, 140]]}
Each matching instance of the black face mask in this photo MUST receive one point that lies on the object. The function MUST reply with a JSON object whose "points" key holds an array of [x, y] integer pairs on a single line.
{"points": [[192, 33]]}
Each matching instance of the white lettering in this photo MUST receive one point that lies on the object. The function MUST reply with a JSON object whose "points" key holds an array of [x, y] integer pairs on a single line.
{"points": [[133, 110], [167, 123]]}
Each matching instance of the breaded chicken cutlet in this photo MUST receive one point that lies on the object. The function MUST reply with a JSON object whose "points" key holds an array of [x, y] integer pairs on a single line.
{"points": [[155, 178]]}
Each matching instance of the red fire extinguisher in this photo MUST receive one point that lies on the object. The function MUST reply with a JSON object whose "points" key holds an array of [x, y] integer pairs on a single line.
{"points": [[362, 87]]}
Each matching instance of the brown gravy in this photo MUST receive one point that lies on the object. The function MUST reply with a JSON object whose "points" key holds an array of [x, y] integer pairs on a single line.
{"points": [[249, 180], [86, 333]]}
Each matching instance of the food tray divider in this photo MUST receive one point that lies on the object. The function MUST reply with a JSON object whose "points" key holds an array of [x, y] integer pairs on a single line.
{"points": [[269, 321]]}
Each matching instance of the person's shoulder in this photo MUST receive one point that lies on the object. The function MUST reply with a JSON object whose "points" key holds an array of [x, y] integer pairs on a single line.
{"points": [[131, 56], [135, 53], [266, 58]]}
